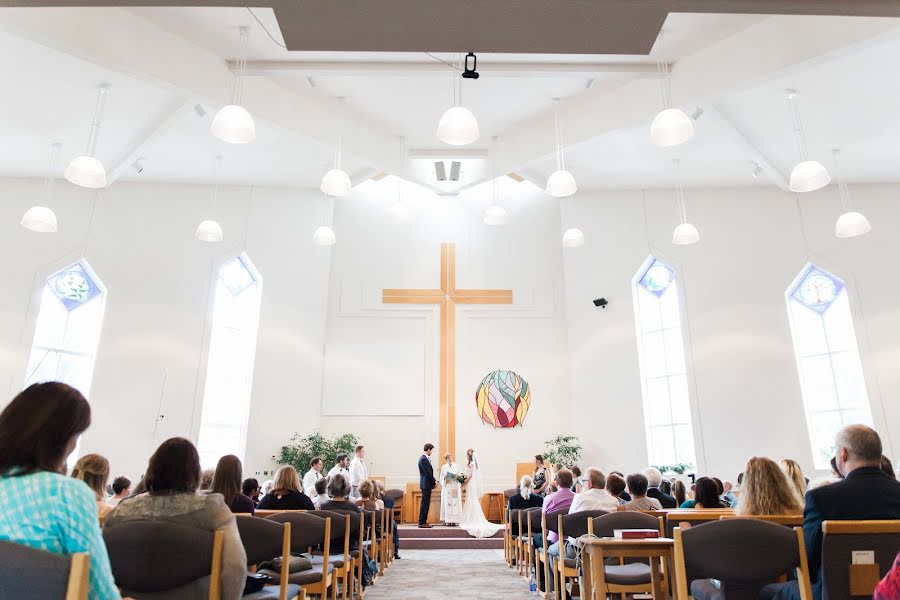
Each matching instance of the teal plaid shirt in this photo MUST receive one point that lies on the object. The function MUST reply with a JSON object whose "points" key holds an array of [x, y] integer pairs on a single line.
{"points": [[52, 512]]}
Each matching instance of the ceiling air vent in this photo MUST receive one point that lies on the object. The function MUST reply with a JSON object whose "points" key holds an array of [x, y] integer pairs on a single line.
{"points": [[440, 170]]}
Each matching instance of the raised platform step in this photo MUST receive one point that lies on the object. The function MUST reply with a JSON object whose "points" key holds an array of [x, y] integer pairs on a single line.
{"points": [[412, 532], [445, 538]]}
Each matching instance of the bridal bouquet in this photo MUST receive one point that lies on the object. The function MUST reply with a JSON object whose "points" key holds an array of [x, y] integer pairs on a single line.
{"points": [[461, 477]]}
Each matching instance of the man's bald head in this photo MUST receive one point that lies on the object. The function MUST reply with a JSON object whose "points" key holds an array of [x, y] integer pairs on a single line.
{"points": [[857, 446]]}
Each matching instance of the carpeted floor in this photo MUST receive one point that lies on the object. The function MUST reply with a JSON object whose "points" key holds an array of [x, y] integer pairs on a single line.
{"points": [[450, 574]]}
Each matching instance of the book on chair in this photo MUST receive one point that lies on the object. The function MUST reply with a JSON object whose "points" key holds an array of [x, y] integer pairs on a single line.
{"points": [[635, 534]]}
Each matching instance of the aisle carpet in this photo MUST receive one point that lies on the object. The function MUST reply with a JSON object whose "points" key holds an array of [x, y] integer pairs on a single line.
{"points": [[450, 574]]}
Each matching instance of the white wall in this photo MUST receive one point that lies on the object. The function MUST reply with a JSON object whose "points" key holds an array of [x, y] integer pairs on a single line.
{"points": [[744, 387], [159, 281]]}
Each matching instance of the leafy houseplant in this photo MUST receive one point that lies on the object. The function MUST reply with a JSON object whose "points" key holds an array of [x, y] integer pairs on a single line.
{"points": [[564, 450], [678, 468], [301, 449]]}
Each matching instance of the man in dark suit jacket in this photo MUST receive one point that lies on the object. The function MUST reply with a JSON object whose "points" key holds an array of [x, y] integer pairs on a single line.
{"points": [[426, 482], [866, 493], [654, 478]]}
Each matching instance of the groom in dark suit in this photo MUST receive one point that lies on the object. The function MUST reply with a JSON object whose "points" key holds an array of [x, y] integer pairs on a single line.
{"points": [[426, 482]]}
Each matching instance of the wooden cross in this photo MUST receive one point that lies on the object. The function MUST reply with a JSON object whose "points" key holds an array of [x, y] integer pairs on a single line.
{"points": [[447, 297]]}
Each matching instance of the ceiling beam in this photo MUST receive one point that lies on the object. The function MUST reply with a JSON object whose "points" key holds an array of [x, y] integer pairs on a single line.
{"points": [[448, 153], [438, 69]]}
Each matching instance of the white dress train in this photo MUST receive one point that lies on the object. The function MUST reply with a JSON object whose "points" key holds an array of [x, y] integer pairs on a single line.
{"points": [[473, 520]]}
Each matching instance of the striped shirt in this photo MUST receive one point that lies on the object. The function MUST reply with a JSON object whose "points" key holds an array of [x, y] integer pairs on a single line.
{"points": [[58, 514]]}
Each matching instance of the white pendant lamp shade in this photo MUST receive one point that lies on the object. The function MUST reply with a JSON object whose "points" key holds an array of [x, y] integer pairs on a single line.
{"points": [[573, 238], [87, 172], [336, 183], [209, 231], [671, 127], [496, 216], [40, 219], [809, 176], [852, 224], [685, 234], [458, 127], [561, 184], [324, 236], [233, 124]]}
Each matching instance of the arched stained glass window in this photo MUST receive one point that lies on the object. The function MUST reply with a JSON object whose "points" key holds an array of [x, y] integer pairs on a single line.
{"points": [[831, 374], [664, 382], [231, 356]]}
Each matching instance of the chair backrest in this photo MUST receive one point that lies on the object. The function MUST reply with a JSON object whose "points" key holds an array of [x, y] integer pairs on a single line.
{"points": [[30, 573], [338, 522], [534, 520], [576, 524], [397, 495], [307, 530], [605, 525], [507, 494], [262, 538], [840, 539], [268, 512], [786, 520], [149, 556], [553, 519], [743, 554], [694, 516]]}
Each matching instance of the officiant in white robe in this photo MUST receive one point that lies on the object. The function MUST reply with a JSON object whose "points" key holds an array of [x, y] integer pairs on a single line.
{"points": [[451, 492]]}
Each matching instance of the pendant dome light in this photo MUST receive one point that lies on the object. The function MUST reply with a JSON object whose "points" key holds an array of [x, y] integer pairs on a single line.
{"points": [[573, 238], [233, 123], [336, 182], [210, 230], [495, 215], [671, 126], [808, 175], [850, 223], [40, 218], [685, 234], [458, 126], [86, 171], [324, 234], [561, 183]]}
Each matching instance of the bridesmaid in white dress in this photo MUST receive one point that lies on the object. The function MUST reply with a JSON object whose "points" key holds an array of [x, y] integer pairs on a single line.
{"points": [[451, 492]]}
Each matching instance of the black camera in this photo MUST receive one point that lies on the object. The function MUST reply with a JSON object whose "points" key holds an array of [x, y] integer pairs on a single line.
{"points": [[601, 302]]}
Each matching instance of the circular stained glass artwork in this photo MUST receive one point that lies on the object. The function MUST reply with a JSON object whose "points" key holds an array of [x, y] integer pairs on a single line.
{"points": [[658, 277], [817, 290], [503, 399], [73, 286]]}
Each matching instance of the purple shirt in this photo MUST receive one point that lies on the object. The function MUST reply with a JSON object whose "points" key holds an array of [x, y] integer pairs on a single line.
{"points": [[557, 501]]}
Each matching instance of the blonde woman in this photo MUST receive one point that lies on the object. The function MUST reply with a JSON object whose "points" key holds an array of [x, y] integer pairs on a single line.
{"points": [[795, 475], [766, 490], [526, 498], [93, 469], [286, 493]]}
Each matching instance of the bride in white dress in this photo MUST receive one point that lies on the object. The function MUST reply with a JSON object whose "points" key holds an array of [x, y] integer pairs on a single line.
{"points": [[473, 519]]}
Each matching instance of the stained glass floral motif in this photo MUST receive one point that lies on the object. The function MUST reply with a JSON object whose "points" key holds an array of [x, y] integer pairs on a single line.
{"points": [[74, 286], [657, 277], [503, 399], [817, 289], [236, 276]]}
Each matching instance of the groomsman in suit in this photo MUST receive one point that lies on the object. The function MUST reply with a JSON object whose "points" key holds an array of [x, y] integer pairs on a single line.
{"points": [[427, 483]]}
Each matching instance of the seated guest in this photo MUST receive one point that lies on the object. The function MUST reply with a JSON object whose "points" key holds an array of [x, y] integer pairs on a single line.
{"points": [[624, 496], [578, 486], [320, 497], [367, 499], [121, 487], [729, 495], [795, 476], [767, 490], [594, 496], [172, 479], [206, 479], [266, 487], [866, 493], [286, 493], [227, 481], [93, 469], [339, 490], [889, 587], [679, 492], [665, 486], [526, 498], [654, 478], [38, 430], [637, 486], [888, 467], [389, 505], [560, 500], [250, 488], [541, 476], [706, 495], [721, 489], [615, 487]]}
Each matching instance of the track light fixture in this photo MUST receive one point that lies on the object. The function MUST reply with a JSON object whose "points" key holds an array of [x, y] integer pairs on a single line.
{"points": [[470, 72]]}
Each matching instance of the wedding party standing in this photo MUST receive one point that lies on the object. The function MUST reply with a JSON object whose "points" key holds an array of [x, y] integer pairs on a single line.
{"points": [[426, 483], [451, 491], [358, 471]]}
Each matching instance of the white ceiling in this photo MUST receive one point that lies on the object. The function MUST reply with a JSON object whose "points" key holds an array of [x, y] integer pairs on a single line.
{"points": [[847, 99]]}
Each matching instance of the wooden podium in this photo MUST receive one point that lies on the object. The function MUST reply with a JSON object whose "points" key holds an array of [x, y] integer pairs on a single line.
{"points": [[491, 504]]}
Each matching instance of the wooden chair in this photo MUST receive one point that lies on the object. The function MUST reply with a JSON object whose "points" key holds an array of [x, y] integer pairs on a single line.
{"points": [[535, 518], [27, 572], [786, 520], [397, 495], [572, 525], [152, 556], [264, 540], [742, 554], [341, 534], [510, 538], [549, 522], [840, 577], [630, 576], [693, 516], [308, 532], [264, 513]]}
